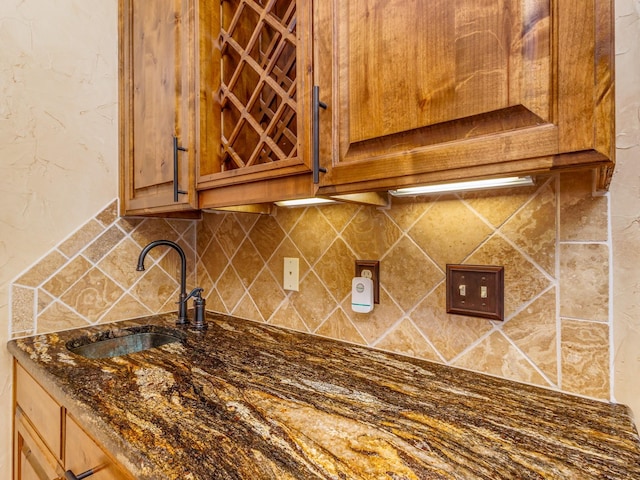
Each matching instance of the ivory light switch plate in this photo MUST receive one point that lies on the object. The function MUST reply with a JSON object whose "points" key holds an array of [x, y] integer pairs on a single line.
{"points": [[476, 291]]}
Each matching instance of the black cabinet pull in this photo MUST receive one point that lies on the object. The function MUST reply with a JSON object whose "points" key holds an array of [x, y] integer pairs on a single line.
{"points": [[176, 187], [69, 475], [315, 140]]}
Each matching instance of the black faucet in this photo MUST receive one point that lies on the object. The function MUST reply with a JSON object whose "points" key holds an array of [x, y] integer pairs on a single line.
{"points": [[182, 302]]}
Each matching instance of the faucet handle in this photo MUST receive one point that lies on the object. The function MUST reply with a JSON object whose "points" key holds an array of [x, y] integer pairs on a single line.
{"points": [[199, 306]]}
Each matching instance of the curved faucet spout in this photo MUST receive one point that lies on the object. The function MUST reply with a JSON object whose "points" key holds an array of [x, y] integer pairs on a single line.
{"points": [[182, 302]]}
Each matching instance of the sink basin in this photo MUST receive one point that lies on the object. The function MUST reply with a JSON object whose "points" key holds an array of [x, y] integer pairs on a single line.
{"points": [[117, 342]]}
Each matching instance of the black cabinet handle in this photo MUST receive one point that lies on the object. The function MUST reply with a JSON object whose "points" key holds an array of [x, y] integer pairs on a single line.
{"points": [[176, 188], [69, 475], [315, 140]]}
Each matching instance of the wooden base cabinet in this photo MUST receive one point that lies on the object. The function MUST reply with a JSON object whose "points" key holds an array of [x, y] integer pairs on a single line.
{"points": [[442, 90], [48, 442]]}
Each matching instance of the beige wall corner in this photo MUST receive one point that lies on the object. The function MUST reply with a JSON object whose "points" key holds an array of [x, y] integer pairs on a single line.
{"points": [[625, 208], [58, 139]]}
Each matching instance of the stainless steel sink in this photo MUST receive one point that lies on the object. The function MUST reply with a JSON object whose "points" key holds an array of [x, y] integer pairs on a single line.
{"points": [[117, 342]]}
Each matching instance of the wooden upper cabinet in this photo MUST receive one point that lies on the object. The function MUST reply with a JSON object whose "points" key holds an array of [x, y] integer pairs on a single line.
{"points": [[440, 90], [255, 93], [157, 106]]}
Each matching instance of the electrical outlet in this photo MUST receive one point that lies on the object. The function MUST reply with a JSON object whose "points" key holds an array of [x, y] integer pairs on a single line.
{"points": [[370, 269], [291, 274], [476, 291]]}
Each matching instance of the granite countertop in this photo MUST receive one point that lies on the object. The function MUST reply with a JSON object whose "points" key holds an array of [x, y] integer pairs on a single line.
{"points": [[244, 400]]}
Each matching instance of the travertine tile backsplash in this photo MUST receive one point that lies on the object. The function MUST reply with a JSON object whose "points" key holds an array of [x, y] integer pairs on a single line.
{"points": [[552, 240]]}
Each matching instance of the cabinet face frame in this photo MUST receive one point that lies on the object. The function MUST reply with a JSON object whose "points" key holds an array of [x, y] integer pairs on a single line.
{"points": [[575, 129]]}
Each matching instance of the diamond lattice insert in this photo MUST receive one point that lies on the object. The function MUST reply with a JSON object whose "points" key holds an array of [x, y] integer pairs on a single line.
{"points": [[258, 89]]}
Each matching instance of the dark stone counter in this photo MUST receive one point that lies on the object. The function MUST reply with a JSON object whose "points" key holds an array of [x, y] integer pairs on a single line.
{"points": [[245, 400]]}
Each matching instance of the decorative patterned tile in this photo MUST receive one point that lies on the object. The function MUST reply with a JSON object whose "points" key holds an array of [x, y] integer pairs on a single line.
{"points": [[93, 295], [407, 340], [584, 281], [120, 263], [585, 358], [109, 215], [449, 231]]}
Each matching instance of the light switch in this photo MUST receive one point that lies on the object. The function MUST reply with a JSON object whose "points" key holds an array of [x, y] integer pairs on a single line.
{"points": [[476, 291], [291, 274]]}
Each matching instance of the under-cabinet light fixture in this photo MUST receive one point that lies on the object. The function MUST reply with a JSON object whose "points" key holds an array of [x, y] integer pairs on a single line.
{"points": [[463, 186], [305, 202]]}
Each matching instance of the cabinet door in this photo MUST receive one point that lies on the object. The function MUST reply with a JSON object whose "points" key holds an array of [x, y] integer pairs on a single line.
{"points": [[82, 454], [157, 57], [428, 91], [262, 95], [32, 458]]}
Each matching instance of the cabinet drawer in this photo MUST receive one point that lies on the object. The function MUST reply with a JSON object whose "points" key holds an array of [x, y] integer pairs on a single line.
{"points": [[32, 458], [82, 454], [40, 409]]}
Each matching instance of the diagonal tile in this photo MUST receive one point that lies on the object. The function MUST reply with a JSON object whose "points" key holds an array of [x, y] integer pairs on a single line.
{"points": [[406, 210], [449, 334], [449, 231], [120, 263], [288, 217], [230, 235], [312, 235], [371, 233], [42, 270], [495, 355], [230, 289], [522, 279], [339, 327], [81, 238], [339, 215], [246, 308], [153, 229], [407, 340], [103, 244], [286, 316], [247, 263], [126, 307], [266, 294], [534, 332], [109, 215], [92, 295], [408, 274], [154, 288], [214, 260], [59, 317], [266, 235], [375, 324], [313, 302], [67, 276], [336, 268], [533, 228], [498, 205], [276, 263]]}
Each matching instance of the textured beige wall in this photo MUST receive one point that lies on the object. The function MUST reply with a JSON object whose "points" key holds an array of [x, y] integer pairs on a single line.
{"points": [[625, 208], [58, 138]]}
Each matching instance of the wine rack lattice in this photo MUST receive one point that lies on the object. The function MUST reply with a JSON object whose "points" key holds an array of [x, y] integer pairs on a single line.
{"points": [[258, 83]]}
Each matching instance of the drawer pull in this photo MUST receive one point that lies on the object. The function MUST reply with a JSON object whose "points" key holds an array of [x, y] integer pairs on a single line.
{"points": [[69, 475]]}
